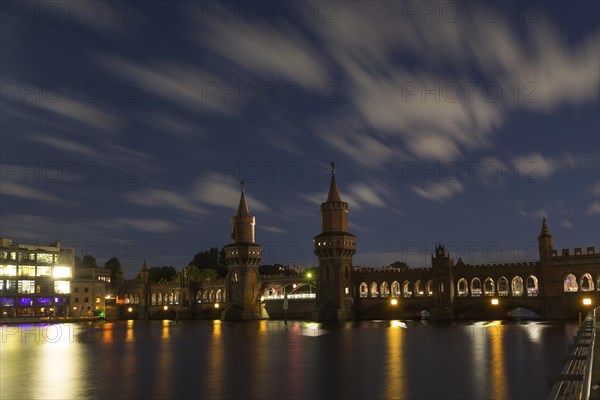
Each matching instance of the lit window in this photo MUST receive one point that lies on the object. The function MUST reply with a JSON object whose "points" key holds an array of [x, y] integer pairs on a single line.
{"points": [[43, 271], [26, 270], [45, 258], [61, 272], [9, 270], [26, 287], [62, 287]]}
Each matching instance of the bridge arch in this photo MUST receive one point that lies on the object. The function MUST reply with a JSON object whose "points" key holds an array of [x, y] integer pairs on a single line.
{"points": [[363, 290], [502, 286], [384, 289], [532, 286], [516, 286], [475, 287], [396, 289], [462, 287], [586, 282], [418, 289], [489, 288], [406, 292], [428, 287], [374, 292], [570, 283]]}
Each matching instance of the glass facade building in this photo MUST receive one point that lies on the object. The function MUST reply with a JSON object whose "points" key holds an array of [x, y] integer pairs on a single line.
{"points": [[35, 280]]}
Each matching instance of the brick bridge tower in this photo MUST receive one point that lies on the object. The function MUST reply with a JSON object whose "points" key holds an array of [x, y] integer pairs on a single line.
{"points": [[334, 247], [242, 257], [443, 284], [551, 287]]}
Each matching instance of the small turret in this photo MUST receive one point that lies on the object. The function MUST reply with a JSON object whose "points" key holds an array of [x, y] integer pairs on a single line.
{"points": [[545, 243]]}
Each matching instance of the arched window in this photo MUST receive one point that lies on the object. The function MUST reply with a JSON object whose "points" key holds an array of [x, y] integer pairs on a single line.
{"points": [[219, 294], [211, 296], [428, 286], [418, 289], [160, 299], [396, 289], [489, 287], [171, 298], [126, 299], [176, 297], [532, 286], [598, 282], [587, 282], [363, 289], [225, 295], [374, 292], [199, 296], [502, 286], [517, 286], [475, 287], [136, 299], [235, 277], [462, 287], [153, 299], [406, 289], [206, 296], [571, 283], [385, 289]]}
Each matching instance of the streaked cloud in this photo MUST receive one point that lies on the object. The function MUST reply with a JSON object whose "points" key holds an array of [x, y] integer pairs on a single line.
{"points": [[150, 225], [439, 191], [26, 192]]}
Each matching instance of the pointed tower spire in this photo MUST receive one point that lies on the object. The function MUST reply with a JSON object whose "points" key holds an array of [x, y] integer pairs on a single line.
{"points": [[243, 207], [545, 243], [334, 193], [545, 230], [144, 267]]}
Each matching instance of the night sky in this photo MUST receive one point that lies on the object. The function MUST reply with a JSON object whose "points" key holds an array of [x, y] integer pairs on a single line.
{"points": [[126, 127]]}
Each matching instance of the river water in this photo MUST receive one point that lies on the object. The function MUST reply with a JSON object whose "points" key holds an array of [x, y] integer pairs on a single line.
{"points": [[271, 360]]}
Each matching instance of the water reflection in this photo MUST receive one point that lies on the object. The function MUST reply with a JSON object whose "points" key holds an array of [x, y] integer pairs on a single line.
{"points": [[497, 358], [216, 365], [395, 361], [266, 359]]}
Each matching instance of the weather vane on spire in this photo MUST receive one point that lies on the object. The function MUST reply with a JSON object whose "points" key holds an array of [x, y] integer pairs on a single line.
{"points": [[242, 182], [332, 165]]}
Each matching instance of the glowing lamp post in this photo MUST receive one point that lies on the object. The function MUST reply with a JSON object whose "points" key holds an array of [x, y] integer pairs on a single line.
{"points": [[394, 302], [495, 302], [587, 301]]}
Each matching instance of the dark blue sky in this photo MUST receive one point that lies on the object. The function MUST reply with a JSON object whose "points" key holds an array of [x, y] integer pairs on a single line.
{"points": [[126, 127]]}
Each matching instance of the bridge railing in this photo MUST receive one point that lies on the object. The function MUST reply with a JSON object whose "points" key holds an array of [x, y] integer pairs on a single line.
{"points": [[291, 296], [587, 376], [574, 381]]}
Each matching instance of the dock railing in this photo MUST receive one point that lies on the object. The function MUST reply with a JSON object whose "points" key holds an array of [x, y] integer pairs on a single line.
{"points": [[574, 381]]}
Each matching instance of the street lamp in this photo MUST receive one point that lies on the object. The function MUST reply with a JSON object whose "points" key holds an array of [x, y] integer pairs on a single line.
{"points": [[587, 301], [495, 302], [394, 302]]}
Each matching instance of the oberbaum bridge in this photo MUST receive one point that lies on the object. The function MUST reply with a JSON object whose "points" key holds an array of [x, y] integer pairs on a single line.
{"points": [[558, 286]]}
